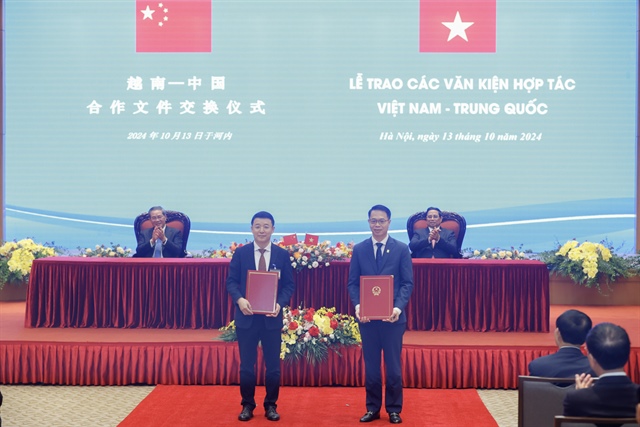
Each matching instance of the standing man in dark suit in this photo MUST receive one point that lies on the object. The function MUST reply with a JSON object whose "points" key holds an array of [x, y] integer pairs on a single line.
{"points": [[382, 336], [168, 239], [571, 331], [433, 241], [251, 328], [613, 395]]}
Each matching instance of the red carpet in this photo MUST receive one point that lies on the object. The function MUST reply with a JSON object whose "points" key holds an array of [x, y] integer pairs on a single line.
{"points": [[298, 406]]}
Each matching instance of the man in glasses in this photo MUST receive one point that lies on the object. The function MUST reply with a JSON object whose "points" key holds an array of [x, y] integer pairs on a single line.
{"points": [[433, 241], [160, 241], [382, 255]]}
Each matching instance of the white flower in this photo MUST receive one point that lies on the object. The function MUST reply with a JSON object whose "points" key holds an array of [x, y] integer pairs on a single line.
{"points": [[293, 264], [315, 264]]}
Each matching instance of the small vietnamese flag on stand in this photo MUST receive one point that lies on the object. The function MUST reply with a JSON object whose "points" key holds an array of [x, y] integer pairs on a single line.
{"points": [[458, 26], [173, 25], [291, 239], [310, 239]]}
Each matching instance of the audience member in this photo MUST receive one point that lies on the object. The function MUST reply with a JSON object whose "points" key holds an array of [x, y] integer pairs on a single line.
{"points": [[251, 328], [613, 394], [433, 241], [571, 331], [382, 255], [160, 241]]}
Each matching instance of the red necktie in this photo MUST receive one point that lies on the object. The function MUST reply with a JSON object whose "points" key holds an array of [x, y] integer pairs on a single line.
{"points": [[262, 264]]}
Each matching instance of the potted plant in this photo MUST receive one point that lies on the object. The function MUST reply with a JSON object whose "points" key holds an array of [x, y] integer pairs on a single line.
{"points": [[16, 258], [589, 265]]}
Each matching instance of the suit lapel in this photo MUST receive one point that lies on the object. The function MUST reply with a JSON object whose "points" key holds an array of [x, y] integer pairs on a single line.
{"points": [[387, 251], [252, 255], [369, 254]]}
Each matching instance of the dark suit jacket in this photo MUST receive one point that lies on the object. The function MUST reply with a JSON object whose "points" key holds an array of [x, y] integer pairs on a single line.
{"points": [[608, 397], [565, 363], [421, 246], [396, 261], [244, 260], [171, 249]]}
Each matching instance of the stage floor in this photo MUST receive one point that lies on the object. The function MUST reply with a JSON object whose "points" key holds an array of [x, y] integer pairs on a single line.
{"points": [[12, 329], [109, 356]]}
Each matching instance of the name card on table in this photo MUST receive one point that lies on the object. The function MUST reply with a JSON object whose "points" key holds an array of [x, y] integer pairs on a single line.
{"points": [[262, 290], [376, 297]]}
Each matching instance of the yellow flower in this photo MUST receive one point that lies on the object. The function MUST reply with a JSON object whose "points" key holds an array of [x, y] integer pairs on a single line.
{"points": [[566, 247], [20, 261]]}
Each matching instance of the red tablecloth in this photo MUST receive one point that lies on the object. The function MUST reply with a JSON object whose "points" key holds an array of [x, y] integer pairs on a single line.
{"points": [[448, 295]]}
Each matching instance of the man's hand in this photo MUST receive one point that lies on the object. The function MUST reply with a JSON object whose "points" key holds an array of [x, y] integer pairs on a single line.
{"points": [[360, 319], [245, 306], [276, 313], [157, 234], [434, 235], [583, 381], [394, 316]]}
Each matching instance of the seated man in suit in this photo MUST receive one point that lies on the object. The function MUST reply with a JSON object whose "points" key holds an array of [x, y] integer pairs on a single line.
{"points": [[571, 331], [167, 239], [613, 395], [434, 241]]}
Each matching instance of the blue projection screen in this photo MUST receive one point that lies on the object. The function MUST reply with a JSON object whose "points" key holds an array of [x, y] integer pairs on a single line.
{"points": [[518, 114]]}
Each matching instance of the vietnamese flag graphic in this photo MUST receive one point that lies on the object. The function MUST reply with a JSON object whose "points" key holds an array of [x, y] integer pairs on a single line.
{"points": [[457, 26], [173, 26], [310, 239]]}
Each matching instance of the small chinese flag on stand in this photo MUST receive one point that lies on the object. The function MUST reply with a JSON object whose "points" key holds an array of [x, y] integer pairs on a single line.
{"points": [[310, 239], [290, 239], [458, 26], [173, 25]]}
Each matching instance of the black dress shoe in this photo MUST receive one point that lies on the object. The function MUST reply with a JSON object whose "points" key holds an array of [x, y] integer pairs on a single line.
{"points": [[370, 416], [394, 418], [246, 414], [271, 414]]}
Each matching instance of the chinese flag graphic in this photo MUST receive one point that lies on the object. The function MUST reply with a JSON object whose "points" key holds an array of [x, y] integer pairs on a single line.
{"points": [[173, 26], [457, 26], [290, 239]]}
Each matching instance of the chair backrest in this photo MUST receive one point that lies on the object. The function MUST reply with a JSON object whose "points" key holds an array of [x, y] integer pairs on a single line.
{"points": [[175, 219], [540, 399], [562, 421], [450, 220]]}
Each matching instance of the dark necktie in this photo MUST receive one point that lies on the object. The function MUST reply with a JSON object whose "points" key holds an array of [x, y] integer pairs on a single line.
{"points": [[378, 257], [262, 264]]}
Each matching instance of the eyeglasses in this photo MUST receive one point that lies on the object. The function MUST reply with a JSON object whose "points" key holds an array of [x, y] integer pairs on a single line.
{"points": [[378, 221], [433, 216], [157, 217]]}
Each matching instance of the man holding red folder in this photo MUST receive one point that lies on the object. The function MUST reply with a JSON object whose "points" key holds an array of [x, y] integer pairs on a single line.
{"points": [[382, 255], [252, 328]]}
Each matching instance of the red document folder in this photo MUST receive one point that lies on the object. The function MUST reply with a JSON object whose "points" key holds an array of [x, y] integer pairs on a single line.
{"points": [[262, 290], [376, 297]]}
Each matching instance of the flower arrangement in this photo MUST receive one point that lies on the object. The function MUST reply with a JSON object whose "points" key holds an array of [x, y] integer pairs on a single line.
{"points": [[302, 256], [310, 334], [221, 252], [497, 253], [587, 263], [16, 258], [113, 251], [305, 256]]}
